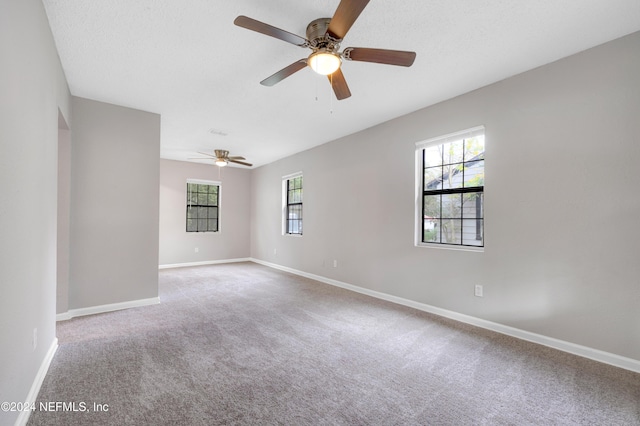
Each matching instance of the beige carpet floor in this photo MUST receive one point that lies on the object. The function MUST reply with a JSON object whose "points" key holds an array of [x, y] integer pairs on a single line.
{"points": [[243, 344]]}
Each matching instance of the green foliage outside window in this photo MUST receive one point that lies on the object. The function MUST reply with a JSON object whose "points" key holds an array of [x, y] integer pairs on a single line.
{"points": [[202, 207]]}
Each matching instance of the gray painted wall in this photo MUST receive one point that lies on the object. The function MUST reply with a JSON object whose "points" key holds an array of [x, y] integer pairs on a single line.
{"points": [[232, 242], [64, 215], [32, 87], [561, 204], [114, 204]]}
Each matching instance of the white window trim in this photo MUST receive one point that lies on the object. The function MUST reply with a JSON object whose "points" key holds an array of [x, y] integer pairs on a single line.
{"points": [[219, 184], [469, 133], [284, 203]]}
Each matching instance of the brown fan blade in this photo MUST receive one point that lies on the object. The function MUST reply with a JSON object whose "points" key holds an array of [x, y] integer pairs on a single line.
{"points": [[204, 153], [344, 17], [236, 157], [240, 162], [261, 27], [284, 73], [380, 56], [339, 85]]}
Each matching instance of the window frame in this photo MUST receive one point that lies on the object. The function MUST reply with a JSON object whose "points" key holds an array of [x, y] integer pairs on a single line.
{"points": [[217, 206], [286, 204], [420, 191]]}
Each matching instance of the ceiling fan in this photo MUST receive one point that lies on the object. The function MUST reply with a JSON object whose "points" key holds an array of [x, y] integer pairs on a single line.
{"points": [[222, 158], [324, 36]]}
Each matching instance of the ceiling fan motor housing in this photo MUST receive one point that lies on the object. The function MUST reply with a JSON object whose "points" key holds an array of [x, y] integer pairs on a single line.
{"points": [[318, 37]]}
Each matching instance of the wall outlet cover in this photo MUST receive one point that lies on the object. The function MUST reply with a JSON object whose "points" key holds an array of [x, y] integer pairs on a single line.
{"points": [[478, 290]]}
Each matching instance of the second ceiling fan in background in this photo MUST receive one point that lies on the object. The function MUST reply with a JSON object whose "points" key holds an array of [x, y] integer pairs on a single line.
{"points": [[324, 36]]}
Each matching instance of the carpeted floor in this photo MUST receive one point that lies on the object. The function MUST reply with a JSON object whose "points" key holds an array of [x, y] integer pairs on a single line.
{"points": [[248, 345]]}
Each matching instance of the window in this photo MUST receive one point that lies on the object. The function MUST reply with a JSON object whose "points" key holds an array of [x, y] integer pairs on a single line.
{"points": [[293, 204], [450, 177], [203, 199]]}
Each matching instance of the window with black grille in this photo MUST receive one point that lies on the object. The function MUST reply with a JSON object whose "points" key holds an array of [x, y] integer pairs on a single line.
{"points": [[293, 213], [452, 189], [203, 207]]}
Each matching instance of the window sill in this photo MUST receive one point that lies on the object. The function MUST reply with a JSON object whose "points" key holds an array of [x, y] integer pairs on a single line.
{"points": [[202, 232], [450, 247]]}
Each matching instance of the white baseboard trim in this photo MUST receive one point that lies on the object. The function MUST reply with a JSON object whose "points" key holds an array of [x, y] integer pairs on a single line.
{"points": [[23, 418], [206, 262], [572, 348], [72, 313]]}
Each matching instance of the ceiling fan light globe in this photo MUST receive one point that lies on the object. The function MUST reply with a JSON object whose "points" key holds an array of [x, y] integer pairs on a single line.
{"points": [[221, 163], [324, 62]]}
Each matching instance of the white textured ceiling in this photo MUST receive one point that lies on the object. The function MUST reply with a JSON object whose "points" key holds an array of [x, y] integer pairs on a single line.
{"points": [[187, 61]]}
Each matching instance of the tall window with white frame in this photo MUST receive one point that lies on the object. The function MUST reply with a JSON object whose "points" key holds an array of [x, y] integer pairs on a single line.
{"points": [[293, 212], [452, 189], [203, 204]]}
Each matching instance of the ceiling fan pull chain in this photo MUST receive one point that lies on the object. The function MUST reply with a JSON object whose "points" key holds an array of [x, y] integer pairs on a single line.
{"points": [[330, 94]]}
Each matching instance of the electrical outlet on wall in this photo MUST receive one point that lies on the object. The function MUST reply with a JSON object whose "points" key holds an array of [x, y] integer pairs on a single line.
{"points": [[197, 249], [478, 290]]}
